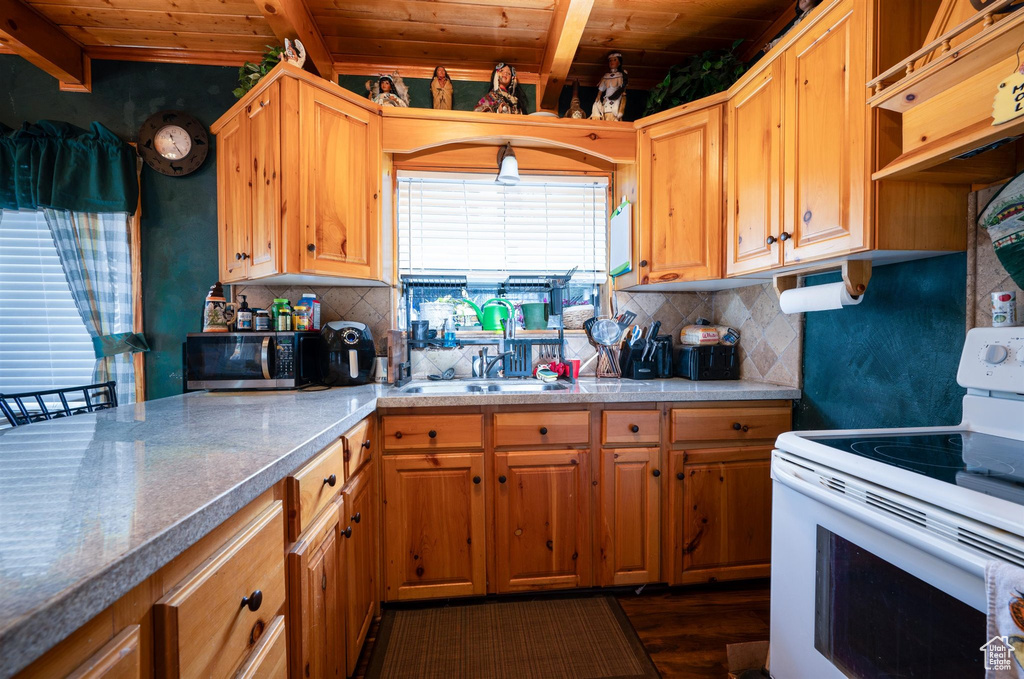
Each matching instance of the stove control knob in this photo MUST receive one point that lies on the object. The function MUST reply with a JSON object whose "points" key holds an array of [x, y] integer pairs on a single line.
{"points": [[995, 354]]}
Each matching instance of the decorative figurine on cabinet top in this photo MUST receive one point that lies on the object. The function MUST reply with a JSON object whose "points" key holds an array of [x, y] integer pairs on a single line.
{"points": [[441, 89], [575, 108], [294, 52], [611, 91], [389, 90], [505, 95]]}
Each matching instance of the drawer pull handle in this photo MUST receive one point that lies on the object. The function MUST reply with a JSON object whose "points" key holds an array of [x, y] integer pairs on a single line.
{"points": [[502, 479], [331, 480], [347, 532], [432, 434], [634, 428], [680, 476], [357, 517], [476, 480], [398, 434], [656, 473], [366, 444], [543, 431], [253, 601]]}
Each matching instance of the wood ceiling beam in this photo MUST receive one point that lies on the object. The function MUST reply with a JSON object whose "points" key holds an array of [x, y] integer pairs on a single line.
{"points": [[292, 19], [38, 41], [567, 24]]}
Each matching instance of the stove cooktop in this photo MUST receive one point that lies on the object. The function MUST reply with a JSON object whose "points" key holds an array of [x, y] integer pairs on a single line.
{"points": [[992, 465]]}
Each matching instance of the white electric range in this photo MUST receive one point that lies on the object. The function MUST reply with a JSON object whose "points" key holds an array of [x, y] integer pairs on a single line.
{"points": [[880, 536]]}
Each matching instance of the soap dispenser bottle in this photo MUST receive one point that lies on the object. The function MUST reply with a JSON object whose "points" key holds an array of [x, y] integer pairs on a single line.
{"points": [[243, 318]]}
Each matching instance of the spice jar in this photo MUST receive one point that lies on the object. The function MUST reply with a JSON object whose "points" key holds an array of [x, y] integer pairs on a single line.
{"points": [[302, 318], [261, 320], [283, 320]]}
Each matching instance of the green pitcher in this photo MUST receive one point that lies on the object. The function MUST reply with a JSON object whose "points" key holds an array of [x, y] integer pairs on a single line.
{"points": [[535, 315]]}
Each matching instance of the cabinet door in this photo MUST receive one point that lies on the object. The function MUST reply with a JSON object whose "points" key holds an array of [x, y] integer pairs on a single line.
{"points": [[434, 537], [681, 198], [234, 194], [826, 115], [629, 520], [755, 172], [317, 624], [720, 525], [341, 178], [360, 560], [542, 520], [264, 121]]}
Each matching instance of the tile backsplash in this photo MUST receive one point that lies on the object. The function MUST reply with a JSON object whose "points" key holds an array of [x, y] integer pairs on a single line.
{"points": [[770, 342]]}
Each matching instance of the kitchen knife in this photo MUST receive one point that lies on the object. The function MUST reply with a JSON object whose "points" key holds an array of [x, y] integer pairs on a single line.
{"points": [[651, 341]]}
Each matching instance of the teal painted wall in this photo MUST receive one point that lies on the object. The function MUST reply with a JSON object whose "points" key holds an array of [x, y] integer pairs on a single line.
{"points": [[179, 214], [890, 361]]}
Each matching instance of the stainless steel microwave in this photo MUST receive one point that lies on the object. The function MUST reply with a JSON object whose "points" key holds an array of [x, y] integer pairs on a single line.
{"points": [[250, 360]]}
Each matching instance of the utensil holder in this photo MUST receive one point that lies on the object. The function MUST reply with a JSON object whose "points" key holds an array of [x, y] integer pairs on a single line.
{"points": [[608, 362]]}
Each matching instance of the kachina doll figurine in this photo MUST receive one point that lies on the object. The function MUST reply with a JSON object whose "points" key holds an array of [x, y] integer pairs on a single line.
{"points": [[611, 91], [441, 89], [389, 90], [505, 95]]}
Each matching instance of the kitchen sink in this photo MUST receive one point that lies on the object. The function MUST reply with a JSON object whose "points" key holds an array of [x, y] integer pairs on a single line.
{"points": [[443, 388], [456, 388], [525, 387]]}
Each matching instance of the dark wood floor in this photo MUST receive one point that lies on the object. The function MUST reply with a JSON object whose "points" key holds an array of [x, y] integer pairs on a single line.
{"points": [[685, 630]]}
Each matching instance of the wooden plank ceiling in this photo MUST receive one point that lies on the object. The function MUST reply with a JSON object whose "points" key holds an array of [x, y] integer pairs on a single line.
{"points": [[413, 36]]}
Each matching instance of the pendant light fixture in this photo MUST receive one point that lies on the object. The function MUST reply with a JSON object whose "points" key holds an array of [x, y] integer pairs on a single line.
{"points": [[508, 166]]}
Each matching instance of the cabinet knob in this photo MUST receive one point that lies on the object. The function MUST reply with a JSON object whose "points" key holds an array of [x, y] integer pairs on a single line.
{"points": [[311, 247], [737, 426], [656, 473], [643, 262], [366, 444], [238, 255], [432, 434], [784, 236], [245, 255], [357, 517], [331, 480], [502, 479], [543, 431], [769, 240], [634, 428], [476, 480], [347, 532], [253, 601], [680, 476], [398, 434]]}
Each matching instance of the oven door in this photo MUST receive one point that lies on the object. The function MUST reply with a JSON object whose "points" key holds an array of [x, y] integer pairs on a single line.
{"points": [[859, 592], [231, 361]]}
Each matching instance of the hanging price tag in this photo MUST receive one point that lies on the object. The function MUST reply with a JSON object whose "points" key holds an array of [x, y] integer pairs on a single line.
{"points": [[1009, 102]]}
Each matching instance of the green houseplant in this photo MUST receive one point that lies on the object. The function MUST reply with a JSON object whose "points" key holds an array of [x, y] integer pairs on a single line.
{"points": [[699, 76], [249, 74]]}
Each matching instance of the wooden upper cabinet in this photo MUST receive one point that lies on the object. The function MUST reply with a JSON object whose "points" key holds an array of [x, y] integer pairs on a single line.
{"points": [[264, 123], [434, 526], [827, 168], [542, 520], [681, 198], [755, 173], [233, 203], [340, 178]]}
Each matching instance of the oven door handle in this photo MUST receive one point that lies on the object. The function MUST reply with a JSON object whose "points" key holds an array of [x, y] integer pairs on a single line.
{"points": [[265, 357], [968, 560]]}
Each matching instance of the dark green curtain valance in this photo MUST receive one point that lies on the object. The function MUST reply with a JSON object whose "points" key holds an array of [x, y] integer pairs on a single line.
{"points": [[57, 165]]}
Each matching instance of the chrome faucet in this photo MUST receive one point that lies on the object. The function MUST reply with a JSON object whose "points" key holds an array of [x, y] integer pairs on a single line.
{"points": [[483, 366]]}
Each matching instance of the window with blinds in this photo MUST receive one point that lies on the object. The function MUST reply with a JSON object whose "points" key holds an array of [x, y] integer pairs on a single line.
{"points": [[451, 223], [43, 341]]}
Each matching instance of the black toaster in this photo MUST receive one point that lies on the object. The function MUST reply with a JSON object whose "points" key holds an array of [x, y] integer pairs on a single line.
{"points": [[708, 362]]}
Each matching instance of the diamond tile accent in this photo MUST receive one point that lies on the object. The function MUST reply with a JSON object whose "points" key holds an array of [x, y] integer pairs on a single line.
{"points": [[780, 334]]}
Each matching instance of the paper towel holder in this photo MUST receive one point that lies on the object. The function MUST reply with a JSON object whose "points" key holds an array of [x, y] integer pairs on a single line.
{"points": [[856, 274]]}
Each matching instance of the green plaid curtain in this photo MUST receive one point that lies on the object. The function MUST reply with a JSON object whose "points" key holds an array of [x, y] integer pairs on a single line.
{"points": [[96, 257]]}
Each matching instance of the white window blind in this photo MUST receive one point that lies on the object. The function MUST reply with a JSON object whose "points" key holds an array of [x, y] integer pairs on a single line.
{"points": [[451, 223], [43, 341]]}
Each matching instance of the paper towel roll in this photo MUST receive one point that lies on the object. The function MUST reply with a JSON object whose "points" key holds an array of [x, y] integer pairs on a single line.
{"points": [[817, 298]]}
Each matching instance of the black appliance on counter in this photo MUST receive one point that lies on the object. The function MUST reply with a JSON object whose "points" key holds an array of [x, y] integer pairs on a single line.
{"points": [[708, 362], [250, 360], [348, 354], [656, 362]]}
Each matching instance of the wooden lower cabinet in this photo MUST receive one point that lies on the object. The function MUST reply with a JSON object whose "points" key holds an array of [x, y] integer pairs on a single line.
{"points": [[542, 520], [269, 660], [119, 659], [434, 526], [315, 596], [359, 560], [719, 505], [629, 517]]}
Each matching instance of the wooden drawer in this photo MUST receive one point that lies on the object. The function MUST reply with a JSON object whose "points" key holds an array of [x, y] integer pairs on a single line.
{"points": [[541, 428], [631, 427], [425, 432], [313, 487], [730, 424], [202, 628], [358, 447], [269, 660], [119, 659]]}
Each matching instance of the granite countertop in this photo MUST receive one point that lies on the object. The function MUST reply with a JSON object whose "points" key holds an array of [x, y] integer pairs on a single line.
{"points": [[92, 505]]}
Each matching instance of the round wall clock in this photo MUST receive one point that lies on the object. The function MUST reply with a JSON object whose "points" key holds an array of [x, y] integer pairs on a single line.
{"points": [[173, 143]]}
